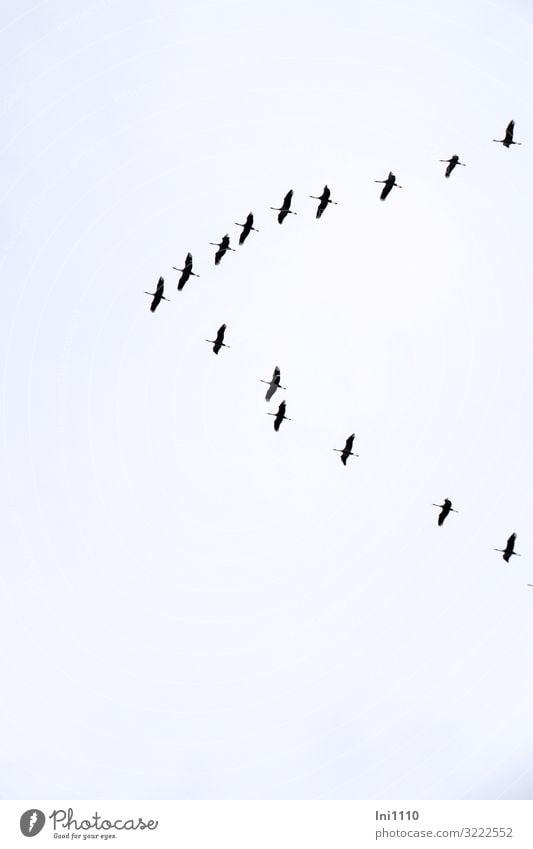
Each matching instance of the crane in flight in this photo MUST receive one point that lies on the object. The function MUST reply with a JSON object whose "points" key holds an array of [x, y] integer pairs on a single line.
{"points": [[446, 508], [347, 450], [157, 295], [246, 228], [186, 272], [508, 551], [280, 415], [222, 246], [508, 140], [451, 164], [324, 199], [273, 384], [219, 343], [390, 182], [285, 208]]}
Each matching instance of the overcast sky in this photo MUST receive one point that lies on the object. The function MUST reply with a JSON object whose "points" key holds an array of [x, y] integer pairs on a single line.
{"points": [[195, 606]]}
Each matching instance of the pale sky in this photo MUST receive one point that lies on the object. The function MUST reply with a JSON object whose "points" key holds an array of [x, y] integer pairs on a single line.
{"points": [[192, 605]]}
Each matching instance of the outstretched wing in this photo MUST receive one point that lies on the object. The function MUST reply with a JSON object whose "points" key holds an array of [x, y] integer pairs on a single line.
{"points": [[509, 132]]}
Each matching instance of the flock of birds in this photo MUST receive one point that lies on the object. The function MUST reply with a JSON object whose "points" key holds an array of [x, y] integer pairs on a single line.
{"points": [[275, 383]]}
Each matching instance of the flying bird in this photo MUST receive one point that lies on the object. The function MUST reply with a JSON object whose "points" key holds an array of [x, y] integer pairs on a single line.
{"points": [[186, 272], [157, 295], [446, 508], [273, 384], [508, 140], [347, 450], [246, 228], [390, 182], [280, 415], [508, 551], [451, 164], [218, 343], [222, 246], [324, 199], [285, 208]]}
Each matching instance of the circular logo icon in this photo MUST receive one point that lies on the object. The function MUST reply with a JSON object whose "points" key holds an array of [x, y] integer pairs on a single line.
{"points": [[32, 822]]}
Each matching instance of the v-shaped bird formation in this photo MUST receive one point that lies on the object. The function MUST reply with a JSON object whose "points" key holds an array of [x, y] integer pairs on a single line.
{"points": [[274, 383]]}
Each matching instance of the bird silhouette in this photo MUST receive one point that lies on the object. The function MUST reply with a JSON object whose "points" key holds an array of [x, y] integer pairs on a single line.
{"points": [[508, 551], [324, 199], [222, 246], [347, 450], [285, 208], [186, 272], [157, 295], [247, 227], [446, 508], [219, 343], [279, 416], [390, 182], [273, 384], [507, 141], [451, 164]]}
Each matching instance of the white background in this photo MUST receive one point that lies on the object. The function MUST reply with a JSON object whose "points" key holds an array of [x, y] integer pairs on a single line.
{"points": [[192, 605]]}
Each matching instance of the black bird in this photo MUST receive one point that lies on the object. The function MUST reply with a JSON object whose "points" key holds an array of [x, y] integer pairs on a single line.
{"points": [[445, 509], [347, 450], [324, 199], [280, 415], [273, 384], [508, 140], [508, 551], [186, 272], [157, 295], [222, 246], [285, 208], [246, 228], [451, 164], [390, 182], [218, 343]]}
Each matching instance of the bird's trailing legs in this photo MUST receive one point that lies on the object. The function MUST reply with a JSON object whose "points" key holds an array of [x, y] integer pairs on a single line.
{"points": [[214, 342], [192, 273], [395, 185], [218, 245], [269, 382], [244, 225], [163, 298], [281, 209], [452, 509]]}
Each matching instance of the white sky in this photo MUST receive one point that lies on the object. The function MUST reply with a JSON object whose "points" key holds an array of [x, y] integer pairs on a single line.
{"points": [[194, 606]]}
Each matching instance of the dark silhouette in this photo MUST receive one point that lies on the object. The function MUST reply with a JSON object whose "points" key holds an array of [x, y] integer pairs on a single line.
{"points": [[390, 182], [280, 415], [508, 140], [347, 450], [324, 199], [186, 272], [285, 208], [157, 295], [218, 343], [273, 384], [508, 551], [446, 508], [222, 246], [246, 228], [451, 164]]}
